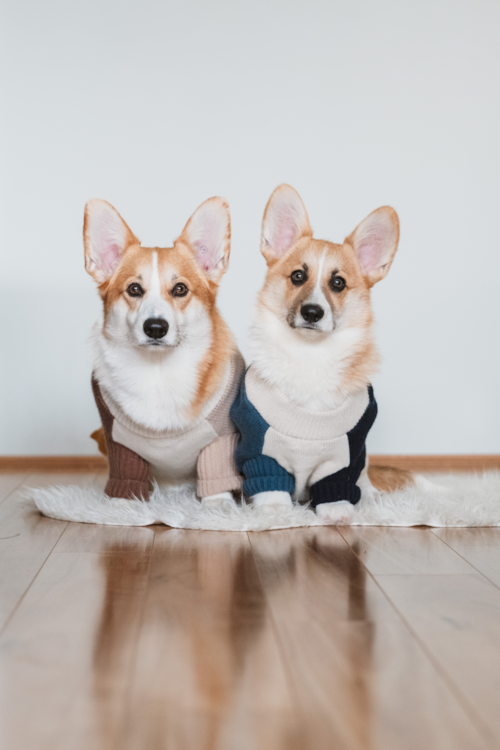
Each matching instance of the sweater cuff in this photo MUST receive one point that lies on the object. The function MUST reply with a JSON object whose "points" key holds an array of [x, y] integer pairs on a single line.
{"points": [[264, 474], [255, 485], [129, 489], [330, 491], [208, 487]]}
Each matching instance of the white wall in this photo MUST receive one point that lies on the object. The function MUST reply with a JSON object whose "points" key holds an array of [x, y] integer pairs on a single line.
{"points": [[156, 106]]}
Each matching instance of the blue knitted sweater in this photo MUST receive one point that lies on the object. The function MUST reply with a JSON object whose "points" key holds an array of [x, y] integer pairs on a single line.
{"points": [[285, 447]]}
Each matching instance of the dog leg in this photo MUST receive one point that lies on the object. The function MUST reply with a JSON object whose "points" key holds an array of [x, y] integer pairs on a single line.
{"points": [[273, 497], [335, 514]]}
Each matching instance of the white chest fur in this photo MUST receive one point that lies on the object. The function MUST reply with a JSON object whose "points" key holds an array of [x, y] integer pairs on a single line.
{"points": [[310, 372], [153, 389]]}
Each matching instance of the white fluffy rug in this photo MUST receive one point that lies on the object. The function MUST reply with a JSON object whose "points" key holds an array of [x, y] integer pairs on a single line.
{"points": [[447, 500]]}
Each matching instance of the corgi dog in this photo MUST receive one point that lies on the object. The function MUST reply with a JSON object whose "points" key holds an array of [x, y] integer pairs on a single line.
{"points": [[306, 405], [166, 367]]}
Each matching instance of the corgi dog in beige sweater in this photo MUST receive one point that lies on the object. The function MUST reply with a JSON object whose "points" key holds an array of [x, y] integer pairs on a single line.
{"points": [[306, 403], [166, 367]]}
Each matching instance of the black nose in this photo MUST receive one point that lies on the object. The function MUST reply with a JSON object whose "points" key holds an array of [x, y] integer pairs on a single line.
{"points": [[312, 313], [155, 328]]}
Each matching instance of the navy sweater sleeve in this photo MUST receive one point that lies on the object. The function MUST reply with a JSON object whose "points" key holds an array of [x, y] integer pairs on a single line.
{"points": [[262, 473], [342, 485]]}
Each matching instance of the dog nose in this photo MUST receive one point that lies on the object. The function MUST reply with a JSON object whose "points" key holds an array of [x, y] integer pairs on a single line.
{"points": [[312, 313], [155, 328]]}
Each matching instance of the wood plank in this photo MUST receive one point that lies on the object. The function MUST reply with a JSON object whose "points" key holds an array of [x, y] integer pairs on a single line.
{"points": [[88, 537], [292, 646], [480, 547], [362, 680], [27, 539], [9, 482], [457, 617], [421, 463], [461, 539], [394, 551], [67, 653], [208, 671], [486, 560]]}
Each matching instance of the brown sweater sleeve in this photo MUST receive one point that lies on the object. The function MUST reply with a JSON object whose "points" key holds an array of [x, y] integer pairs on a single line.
{"points": [[128, 472]]}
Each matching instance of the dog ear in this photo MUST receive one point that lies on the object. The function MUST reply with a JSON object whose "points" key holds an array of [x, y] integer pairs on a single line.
{"points": [[375, 242], [105, 239], [208, 234], [285, 221]]}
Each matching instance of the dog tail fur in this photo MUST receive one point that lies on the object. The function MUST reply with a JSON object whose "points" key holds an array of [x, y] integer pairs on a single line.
{"points": [[389, 479], [98, 436]]}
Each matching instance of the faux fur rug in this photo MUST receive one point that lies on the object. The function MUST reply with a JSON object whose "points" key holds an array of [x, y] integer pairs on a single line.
{"points": [[446, 500]]}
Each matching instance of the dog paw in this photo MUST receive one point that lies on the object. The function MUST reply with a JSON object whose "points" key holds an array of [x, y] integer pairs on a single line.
{"points": [[274, 497], [216, 501], [335, 514]]}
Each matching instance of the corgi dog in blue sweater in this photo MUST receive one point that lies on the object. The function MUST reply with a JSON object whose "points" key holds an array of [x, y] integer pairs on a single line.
{"points": [[306, 404]]}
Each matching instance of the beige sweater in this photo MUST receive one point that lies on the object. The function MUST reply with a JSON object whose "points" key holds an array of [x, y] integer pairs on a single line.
{"points": [[204, 451]]}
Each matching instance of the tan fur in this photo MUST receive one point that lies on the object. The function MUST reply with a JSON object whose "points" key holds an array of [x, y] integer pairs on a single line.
{"points": [[389, 479], [277, 287], [212, 369], [304, 230], [186, 234], [364, 258], [353, 239], [115, 259], [287, 244], [130, 238], [98, 436], [176, 264]]}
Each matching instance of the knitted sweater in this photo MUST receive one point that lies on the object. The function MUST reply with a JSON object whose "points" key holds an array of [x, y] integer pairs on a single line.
{"points": [[204, 450], [285, 447]]}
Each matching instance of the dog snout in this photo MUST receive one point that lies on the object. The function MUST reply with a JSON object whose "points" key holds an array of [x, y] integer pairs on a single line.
{"points": [[312, 313], [155, 328]]}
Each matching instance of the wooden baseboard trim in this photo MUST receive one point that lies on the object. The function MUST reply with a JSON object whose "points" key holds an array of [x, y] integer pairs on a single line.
{"points": [[52, 463], [439, 463], [412, 463]]}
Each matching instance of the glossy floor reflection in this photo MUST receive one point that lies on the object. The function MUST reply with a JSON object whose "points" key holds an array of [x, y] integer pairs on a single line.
{"points": [[154, 638]]}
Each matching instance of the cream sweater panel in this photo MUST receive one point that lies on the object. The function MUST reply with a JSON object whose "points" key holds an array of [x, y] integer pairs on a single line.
{"points": [[310, 445], [173, 455]]}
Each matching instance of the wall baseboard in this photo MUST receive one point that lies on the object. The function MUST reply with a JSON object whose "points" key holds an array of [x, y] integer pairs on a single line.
{"points": [[53, 463], [470, 462]]}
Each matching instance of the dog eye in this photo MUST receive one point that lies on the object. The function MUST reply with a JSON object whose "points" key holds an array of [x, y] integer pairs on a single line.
{"points": [[180, 290], [135, 290], [298, 277], [337, 283]]}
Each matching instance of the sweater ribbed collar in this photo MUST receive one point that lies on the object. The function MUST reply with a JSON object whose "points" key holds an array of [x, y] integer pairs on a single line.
{"points": [[295, 421]]}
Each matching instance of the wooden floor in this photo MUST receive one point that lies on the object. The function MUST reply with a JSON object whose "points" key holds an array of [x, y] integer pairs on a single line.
{"points": [[153, 638]]}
